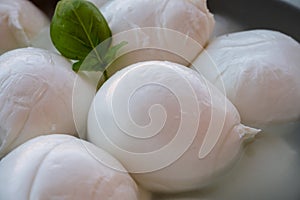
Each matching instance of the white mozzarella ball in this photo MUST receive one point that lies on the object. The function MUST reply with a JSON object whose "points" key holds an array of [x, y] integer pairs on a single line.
{"points": [[260, 71], [158, 29], [20, 22], [186, 16], [170, 127], [63, 167], [36, 94]]}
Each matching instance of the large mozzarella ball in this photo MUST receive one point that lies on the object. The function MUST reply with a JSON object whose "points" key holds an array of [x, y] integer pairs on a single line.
{"points": [[188, 17], [20, 23], [158, 29], [35, 96], [63, 167], [260, 71], [170, 127]]}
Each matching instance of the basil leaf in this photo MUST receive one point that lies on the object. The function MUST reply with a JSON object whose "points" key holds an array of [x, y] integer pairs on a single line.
{"points": [[80, 32], [77, 27]]}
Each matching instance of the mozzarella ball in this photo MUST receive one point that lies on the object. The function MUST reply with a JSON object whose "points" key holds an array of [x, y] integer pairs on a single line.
{"points": [[20, 22], [36, 93], [260, 71], [167, 30], [188, 17], [63, 167], [170, 127]]}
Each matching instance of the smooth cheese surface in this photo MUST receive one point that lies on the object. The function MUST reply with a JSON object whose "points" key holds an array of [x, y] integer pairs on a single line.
{"points": [[260, 71], [170, 127], [20, 22], [165, 30], [63, 167], [188, 17], [35, 96]]}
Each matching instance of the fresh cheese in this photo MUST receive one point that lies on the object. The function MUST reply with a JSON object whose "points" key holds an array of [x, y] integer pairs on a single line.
{"points": [[259, 72], [36, 93], [171, 129], [162, 30], [63, 167], [20, 23]]}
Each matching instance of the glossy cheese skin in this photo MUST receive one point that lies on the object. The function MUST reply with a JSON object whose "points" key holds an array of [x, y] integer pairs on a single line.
{"points": [[260, 71], [20, 22], [63, 167], [170, 127], [190, 17], [35, 96], [165, 30]]}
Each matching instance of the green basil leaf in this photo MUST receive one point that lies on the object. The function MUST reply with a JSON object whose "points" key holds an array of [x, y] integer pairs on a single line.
{"points": [[77, 27]]}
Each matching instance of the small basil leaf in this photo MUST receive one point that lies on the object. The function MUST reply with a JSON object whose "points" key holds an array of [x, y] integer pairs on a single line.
{"points": [[77, 27]]}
